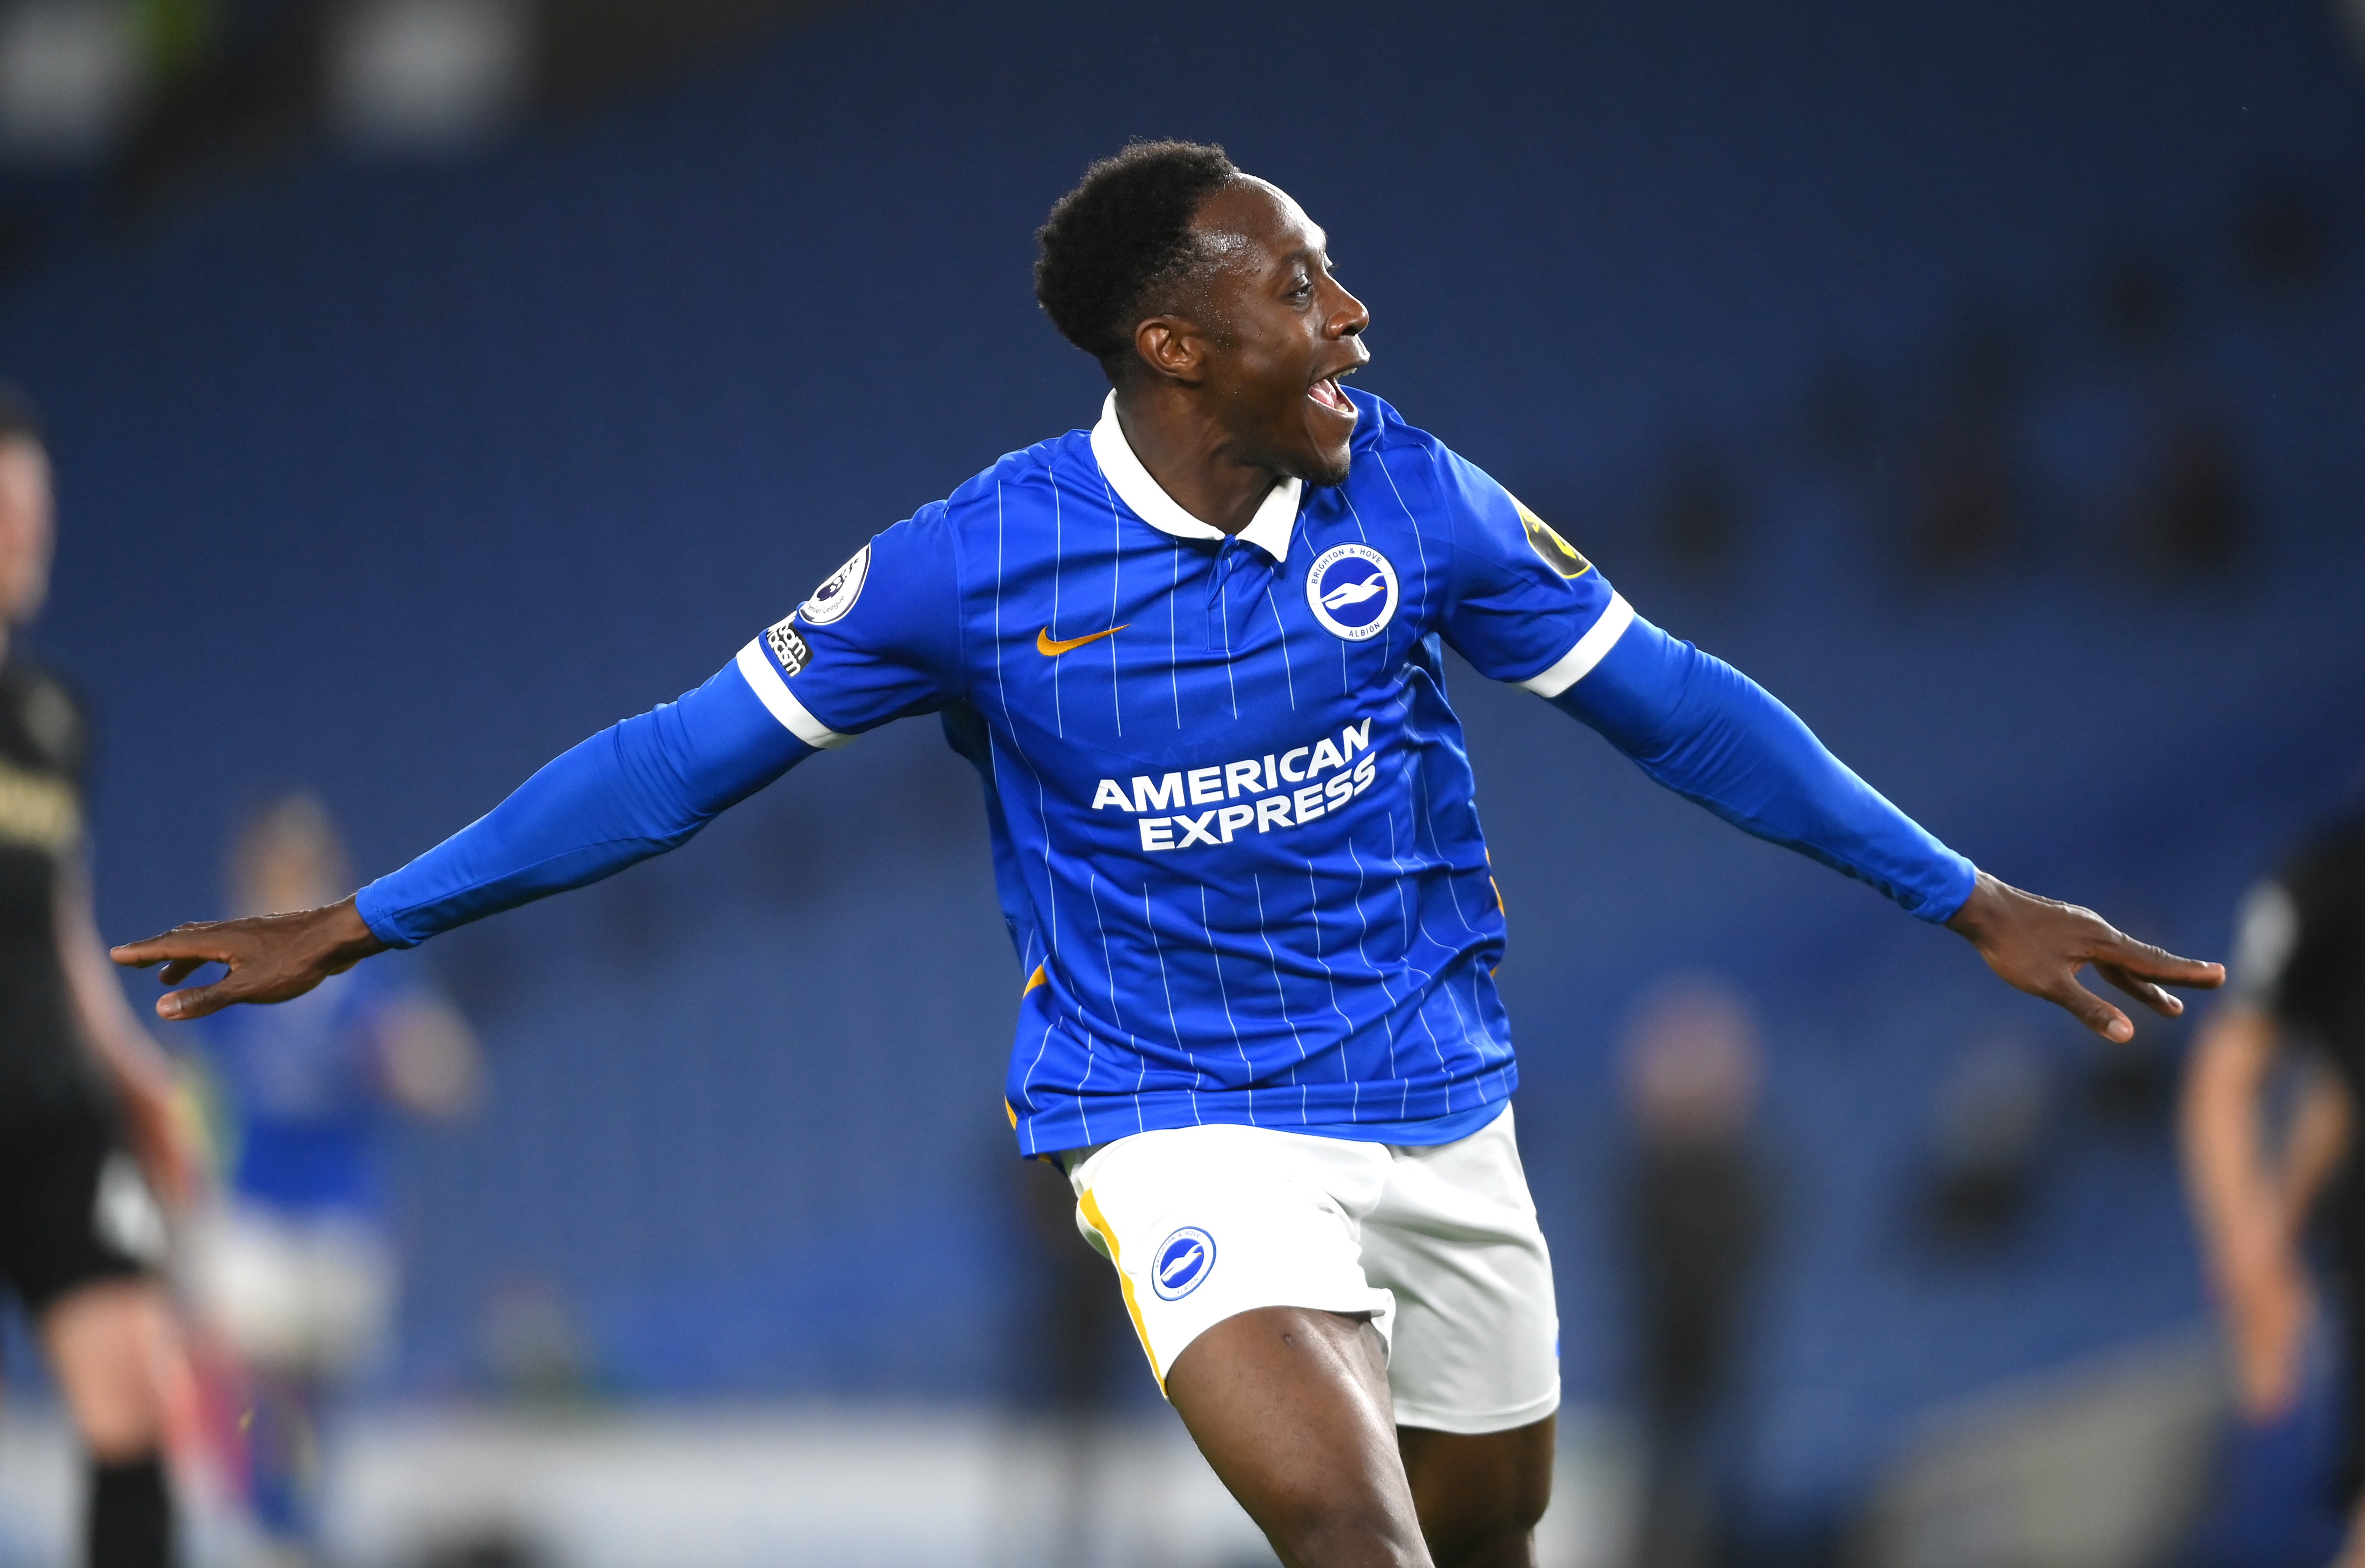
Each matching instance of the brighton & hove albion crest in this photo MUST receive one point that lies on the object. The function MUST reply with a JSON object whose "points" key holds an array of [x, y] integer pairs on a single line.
{"points": [[838, 591], [1183, 1259], [1352, 590]]}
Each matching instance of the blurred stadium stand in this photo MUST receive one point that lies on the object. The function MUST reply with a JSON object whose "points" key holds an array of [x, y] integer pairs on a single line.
{"points": [[1984, 381]]}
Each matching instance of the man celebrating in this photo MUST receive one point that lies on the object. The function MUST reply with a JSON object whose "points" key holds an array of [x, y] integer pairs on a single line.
{"points": [[1195, 655]]}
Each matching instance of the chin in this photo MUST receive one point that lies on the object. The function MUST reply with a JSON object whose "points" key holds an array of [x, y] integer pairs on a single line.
{"points": [[1324, 468]]}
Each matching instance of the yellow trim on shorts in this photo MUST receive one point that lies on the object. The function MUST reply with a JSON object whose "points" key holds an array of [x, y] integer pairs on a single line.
{"points": [[1040, 977], [1099, 1222]]}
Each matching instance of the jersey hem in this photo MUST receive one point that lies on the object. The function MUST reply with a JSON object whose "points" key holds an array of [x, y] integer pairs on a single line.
{"points": [[1426, 1133], [1043, 1135]]}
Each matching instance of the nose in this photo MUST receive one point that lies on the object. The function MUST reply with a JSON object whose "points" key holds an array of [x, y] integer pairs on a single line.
{"points": [[1349, 318]]}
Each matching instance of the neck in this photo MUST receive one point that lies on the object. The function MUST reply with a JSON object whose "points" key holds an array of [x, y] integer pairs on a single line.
{"points": [[1193, 458]]}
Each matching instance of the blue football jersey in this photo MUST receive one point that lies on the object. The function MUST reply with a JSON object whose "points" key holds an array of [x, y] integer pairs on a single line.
{"points": [[1234, 831], [304, 1083]]}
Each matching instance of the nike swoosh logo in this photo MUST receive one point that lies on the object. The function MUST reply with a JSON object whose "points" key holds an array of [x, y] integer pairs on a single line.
{"points": [[1051, 650]]}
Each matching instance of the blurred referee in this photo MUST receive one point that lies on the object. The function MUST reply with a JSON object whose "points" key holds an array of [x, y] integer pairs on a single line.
{"points": [[82, 1086], [2267, 1114]]}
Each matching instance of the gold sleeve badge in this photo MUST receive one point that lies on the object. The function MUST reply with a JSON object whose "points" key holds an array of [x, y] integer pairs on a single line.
{"points": [[1558, 553]]}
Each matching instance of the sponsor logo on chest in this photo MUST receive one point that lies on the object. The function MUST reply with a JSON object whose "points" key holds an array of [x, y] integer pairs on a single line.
{"points": [[1280, 789]]}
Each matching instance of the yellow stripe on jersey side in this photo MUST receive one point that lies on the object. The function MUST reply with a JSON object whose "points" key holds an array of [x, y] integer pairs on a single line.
{"points": [[1099, 1222], [1038, 977]]}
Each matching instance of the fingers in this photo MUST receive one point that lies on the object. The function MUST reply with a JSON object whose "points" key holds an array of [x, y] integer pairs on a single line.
{"points": [[198, 1000], [2143, 991], [2134, 966], [269, 957], [255, 982], [2091, 1011], [193, 942], [2157, 963], [184, 950]]}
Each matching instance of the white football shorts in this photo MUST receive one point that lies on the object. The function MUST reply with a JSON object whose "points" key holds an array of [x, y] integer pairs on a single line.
{"points": [[296, 1293], [1439, 1244]]}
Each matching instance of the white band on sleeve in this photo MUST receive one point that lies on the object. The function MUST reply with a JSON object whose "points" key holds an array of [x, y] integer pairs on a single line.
{"points": [[755, 668], [1577, 663]]}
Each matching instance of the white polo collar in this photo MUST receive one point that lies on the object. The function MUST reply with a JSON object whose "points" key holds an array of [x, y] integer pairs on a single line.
{"points": [[1268, 530]]}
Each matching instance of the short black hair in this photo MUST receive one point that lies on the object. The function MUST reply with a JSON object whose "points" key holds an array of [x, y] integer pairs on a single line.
{"points": [[19, 419], [1122, 236]]}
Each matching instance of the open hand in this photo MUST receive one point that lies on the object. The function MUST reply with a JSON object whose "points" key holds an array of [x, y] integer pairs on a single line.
{"points": [[271, 958], [2040, 945]]}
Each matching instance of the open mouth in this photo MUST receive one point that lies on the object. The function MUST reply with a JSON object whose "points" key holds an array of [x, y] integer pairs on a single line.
{"points": [[1327, 394]]}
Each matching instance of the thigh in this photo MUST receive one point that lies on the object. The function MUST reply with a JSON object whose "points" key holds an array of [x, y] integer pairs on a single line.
{"points": [[1455, 1241], [1204, 1224], [1291, 1408], [111, 1346]]}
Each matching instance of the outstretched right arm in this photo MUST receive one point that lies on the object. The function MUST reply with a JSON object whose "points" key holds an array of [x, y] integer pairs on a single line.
{"points": [[857, 659], [631, 791]]}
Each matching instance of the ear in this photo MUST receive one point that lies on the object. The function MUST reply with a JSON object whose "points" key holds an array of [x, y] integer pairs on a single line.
{"points": [[1175, 347]]}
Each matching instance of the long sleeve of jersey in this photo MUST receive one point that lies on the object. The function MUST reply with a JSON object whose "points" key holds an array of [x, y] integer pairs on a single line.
{"points": [[634, 789], [649, 784], [1711, 733]]}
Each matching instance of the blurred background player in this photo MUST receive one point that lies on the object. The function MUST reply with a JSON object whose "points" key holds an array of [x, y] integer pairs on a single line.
{"points": [[294, 1270], [88, 1124], [2269, 1135], [1699, 1198]]}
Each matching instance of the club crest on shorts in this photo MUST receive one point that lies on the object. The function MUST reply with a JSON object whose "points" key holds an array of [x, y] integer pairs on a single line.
{"points": [[1183, 1259], [837, 591], [1352, 591]]}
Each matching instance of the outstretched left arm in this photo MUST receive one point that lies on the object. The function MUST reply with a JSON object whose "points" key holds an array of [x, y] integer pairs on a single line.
{"points": [[1711, 733]]}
